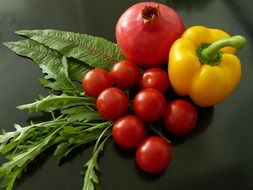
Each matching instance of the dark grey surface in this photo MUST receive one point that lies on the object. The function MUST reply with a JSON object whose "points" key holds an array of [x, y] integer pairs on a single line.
{"points": [[218, 155]]}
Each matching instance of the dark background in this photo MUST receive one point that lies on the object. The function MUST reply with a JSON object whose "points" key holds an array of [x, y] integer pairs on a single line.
{"points": [[217, 155]]}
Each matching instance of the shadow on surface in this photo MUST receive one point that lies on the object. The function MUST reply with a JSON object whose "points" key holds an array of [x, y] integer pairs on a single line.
{"points": [[231, 177], [39, 117], [146, 176], [35, 165], [204, 119], [124, 153]]}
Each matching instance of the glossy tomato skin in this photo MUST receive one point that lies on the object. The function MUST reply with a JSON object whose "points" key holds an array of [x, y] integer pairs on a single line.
{"points": [[95, 81], [149, 104], [125, 74], [112, 103], [155, 78], [180, 117], [153, 155], [148, 44], [128, 131]]}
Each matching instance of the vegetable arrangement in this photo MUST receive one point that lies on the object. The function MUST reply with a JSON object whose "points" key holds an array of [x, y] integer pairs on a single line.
{"points": [[123, 91]]}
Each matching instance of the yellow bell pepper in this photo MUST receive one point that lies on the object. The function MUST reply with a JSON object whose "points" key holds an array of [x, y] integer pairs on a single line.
{"points": [[202, 65]]}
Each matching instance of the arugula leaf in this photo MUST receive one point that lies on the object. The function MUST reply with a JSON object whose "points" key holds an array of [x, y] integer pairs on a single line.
{"points": [[94, 51], [63, 57], [51, 62], [62, 81], [91, 181], [86, 116], [23, 136], [5, 138], [73, 137], [18, 161], [10, 179], [54, 102], [82, 113]]}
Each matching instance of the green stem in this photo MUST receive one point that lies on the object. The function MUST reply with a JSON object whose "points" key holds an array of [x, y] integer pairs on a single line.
{"points": [[159, 133], [210, 53]]}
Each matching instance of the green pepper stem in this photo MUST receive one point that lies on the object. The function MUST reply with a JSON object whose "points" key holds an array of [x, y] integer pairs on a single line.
{"points": [[210, 53]]}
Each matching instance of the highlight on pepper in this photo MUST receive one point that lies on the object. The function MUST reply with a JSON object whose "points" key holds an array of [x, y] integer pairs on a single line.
{"points": [[203, 65]]}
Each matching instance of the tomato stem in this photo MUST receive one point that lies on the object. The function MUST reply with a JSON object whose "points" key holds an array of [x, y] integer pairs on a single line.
{"points": [[159, 133]]}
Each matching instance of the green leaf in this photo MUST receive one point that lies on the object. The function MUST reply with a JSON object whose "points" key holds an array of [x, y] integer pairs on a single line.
{"points": [[61, 150], [54, 102], [77, 69], [20, 159], [74, 136], [10, 179], [6, 137], [94, 51], [12, 169], [75, 110], [91, 180], [86, 117], [82, 113], [63, 57], [62, 81], [51, 62]]}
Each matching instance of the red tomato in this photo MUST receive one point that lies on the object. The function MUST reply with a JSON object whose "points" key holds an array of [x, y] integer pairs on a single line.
{"points": [[95, 81], [128, 131], [125, 74], [154, 155], [180, 117], [155, 78], [149, 104], [112, 103]]}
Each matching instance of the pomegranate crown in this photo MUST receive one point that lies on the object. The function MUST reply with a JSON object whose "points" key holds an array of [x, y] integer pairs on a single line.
{"points": [[150, 14]]}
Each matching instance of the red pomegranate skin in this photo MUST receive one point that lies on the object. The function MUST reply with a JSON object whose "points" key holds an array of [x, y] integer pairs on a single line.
{"points": [[148, 44]]}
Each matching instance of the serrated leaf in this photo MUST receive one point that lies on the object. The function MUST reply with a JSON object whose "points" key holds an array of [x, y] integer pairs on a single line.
{"points": [[62, 81], [72, 137], [75, 110], [4, 149], [82, 113], [50, 61], [10, 179], [12, 169], [75, 126], [7, 136], [61, 150], [54, 102], [94, 51], [86, 116], [77, 69], [20, 159], [91, 178]]}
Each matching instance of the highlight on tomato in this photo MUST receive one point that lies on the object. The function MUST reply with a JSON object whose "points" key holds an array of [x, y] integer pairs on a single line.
{"points": [[155, 78], [112, 103], [149, 105], [153, 155], [125, 74], [95, 81], [180, 117], [128, 131]]}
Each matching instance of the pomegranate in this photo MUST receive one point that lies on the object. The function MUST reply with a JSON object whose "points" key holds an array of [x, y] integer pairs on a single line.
{"points": [[146, 31]]}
